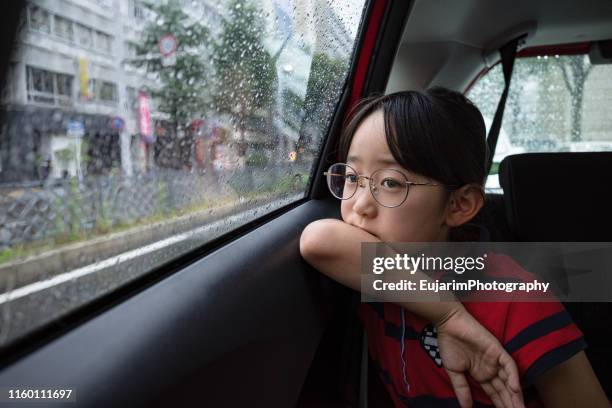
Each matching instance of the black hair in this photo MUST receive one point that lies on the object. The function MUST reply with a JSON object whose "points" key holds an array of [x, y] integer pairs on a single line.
{"points": [[438, 133]]}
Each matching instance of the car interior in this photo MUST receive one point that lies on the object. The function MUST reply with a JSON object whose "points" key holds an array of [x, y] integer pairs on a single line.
{"points": [[244, 320]]}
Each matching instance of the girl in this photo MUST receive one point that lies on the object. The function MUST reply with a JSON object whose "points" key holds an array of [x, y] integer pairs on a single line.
{"points": [[432, 145]]}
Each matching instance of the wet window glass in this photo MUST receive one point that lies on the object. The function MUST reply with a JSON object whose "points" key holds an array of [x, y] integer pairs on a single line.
{"points": [[133, 132], [555, 104]]}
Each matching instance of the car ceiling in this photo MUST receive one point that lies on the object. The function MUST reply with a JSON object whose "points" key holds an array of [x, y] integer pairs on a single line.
{"points": [[448, 42]]}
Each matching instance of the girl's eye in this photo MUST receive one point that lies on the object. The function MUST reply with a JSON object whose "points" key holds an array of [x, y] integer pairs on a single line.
{"points": [[390, 183], [351, 178]]}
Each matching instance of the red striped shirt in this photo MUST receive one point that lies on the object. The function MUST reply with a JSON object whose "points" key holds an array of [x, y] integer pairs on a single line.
{"points": [[538, 335]]}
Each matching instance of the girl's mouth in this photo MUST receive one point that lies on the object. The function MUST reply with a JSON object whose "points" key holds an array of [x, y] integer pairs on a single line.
{"points": [[365, 229]]}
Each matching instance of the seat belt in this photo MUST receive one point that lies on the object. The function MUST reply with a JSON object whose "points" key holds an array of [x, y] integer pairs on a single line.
{"points": [[508, 54]]}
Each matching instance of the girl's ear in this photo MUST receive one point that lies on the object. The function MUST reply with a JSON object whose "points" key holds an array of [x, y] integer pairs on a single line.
{"points": [[463, 204]]}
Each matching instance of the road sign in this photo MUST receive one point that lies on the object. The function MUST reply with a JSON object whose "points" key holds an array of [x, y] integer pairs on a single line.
{"points": [[167, 45], [75, 128], [118, 123]]}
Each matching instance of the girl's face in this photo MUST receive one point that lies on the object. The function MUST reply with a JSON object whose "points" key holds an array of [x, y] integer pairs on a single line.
{"points": [[421, 218]]}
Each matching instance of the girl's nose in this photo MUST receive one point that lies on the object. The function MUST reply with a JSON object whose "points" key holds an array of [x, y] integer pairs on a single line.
{"points": [[364, 204]]}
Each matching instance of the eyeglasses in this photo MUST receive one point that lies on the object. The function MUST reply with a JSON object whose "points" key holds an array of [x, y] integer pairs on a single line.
{"points": [[389, 187]]}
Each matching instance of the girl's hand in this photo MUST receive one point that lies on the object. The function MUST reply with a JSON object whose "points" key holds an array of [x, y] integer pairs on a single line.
{"points": [[466, 346]]}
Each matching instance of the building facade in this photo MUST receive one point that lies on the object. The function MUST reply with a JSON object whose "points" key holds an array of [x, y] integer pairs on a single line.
{"points": [[77, 101]]}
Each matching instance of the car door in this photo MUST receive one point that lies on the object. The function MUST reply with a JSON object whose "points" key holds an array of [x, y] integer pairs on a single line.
{"points": [[151, 208]]}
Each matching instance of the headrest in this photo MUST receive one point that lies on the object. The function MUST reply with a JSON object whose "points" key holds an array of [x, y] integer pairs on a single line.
{"points": [[558, 197]]}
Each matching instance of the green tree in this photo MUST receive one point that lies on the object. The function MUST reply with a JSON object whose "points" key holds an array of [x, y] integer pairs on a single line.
{"points": [[325, 83], [575, 70], [245, 76], [184, 90]]}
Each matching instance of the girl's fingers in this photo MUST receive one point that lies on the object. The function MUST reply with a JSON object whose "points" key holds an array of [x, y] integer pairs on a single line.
{"points": [[509, 366], [503, 392], [517, 400], [492, 393], [517, 397], [503, 375], [461, 387]]}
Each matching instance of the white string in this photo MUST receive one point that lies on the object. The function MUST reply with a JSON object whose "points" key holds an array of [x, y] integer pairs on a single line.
{"points": [[402, 352]]}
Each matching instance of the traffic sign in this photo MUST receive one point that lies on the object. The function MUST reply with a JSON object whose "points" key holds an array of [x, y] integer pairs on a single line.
{"points": [[118, 123], [167, 45], [75, 128]]}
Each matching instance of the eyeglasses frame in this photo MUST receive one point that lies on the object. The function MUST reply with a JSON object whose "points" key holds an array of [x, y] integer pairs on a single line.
{"points": [[370, 182]]}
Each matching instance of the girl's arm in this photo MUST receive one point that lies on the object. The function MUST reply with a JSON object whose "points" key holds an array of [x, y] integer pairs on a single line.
{"points": [[571, 384], [334, 248]]}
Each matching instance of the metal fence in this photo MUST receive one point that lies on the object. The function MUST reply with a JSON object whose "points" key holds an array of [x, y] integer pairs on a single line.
{"points": [[69, 210]]}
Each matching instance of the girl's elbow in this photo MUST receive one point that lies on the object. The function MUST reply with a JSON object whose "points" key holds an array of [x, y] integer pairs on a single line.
{"points": [[314, 241]]}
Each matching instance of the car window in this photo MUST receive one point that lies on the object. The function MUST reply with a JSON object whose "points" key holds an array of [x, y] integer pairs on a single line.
{"points": [[556, 103], [134, 132]]}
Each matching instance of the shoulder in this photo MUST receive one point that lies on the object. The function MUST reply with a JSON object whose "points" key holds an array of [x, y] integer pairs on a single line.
{"points": [[538, 334]]}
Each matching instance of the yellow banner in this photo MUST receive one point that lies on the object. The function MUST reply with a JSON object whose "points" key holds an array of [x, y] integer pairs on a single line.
{"points": [[84, 78]]}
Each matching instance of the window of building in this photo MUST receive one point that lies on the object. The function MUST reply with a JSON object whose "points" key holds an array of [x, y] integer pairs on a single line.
{"points": [[104, 42], [64, 85], [131, 98], [137, 10], [63, 28], [40, 85], [84, 36], [39, 19], [103, 91], [48, 87], [555, 104], [108, 91]]}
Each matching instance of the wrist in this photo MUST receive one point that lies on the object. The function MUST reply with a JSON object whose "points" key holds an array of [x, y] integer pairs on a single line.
{"points": [[451, 311]]}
